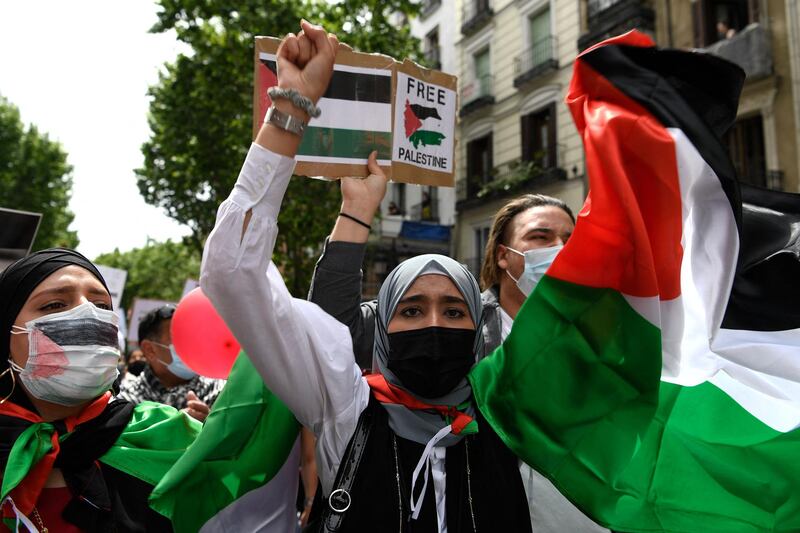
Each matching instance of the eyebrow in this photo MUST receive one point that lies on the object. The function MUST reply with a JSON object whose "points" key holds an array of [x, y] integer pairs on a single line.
{"points": [[66, 289], [423, 297]]}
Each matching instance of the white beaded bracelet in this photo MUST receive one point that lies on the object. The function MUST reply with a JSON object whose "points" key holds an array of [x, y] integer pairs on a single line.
{"points": [[297, 99]]}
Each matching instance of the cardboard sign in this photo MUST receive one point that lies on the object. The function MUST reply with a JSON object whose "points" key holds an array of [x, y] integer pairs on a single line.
{"points": [[364, 109], [17, 233], [115, 280], [140, 307]]}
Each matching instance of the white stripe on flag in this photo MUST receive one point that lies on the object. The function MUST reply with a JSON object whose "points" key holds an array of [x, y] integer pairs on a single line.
{"points": [[353, 115]]}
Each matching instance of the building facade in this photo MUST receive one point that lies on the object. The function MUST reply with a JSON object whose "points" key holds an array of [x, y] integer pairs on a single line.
{"points": [[515, 133]]}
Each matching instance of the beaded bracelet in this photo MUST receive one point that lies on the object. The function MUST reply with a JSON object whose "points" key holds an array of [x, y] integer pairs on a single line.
{"points": [[297, 99]]}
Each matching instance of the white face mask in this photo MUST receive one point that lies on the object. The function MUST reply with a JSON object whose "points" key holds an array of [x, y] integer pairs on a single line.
{"points": [[537, 261], [72, 355]]}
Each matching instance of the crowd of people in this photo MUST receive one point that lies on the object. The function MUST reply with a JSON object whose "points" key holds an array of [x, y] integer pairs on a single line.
{"points": [[380, 387]]}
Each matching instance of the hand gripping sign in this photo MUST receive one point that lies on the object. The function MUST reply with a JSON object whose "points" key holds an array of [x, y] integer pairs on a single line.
{"points": [[405, 112]]}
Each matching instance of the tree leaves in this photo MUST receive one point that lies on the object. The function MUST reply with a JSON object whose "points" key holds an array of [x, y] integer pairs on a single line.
{"points": [[35, 176], [201, 112]]}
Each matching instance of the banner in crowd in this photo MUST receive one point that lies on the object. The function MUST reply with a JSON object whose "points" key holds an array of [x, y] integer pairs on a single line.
{"points": [[115, 281], [139, 308], [405, 112], [17, 233]]}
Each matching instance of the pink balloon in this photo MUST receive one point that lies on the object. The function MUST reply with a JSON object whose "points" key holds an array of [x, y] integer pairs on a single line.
{"points": [[201, 337]]}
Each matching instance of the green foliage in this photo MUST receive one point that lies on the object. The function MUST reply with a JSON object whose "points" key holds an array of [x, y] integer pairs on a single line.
{"points": [[201, 113], [519, 172], [35, 176], [159, 270]]}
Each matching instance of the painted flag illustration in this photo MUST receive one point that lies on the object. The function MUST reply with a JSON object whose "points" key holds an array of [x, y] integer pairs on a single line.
{"points": [[413, 118], [244, 442], [654, 373], [356, 115]]}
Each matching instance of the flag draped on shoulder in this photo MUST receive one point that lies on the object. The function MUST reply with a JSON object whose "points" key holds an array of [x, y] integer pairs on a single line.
{"points": [[654, 373], [244, 442]]}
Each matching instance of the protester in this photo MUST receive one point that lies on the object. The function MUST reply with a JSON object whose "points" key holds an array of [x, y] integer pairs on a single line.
{"points": [[135, 362], [166, 378], [73, 458], [428, 323]]}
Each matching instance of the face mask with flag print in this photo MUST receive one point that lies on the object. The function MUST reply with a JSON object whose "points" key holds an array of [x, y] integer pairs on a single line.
{"points": [[72, 355], [537, 261]]}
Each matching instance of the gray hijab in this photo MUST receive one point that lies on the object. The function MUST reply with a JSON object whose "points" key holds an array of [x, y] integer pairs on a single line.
{"points": [[421, 426]]}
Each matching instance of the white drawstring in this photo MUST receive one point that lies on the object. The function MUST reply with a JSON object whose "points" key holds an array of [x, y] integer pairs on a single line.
{"points": [[20, 517], [425, 460]]}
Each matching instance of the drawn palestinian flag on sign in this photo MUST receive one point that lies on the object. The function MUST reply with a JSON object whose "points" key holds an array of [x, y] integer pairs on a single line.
{"points": [[413, 117], [356, 114]]}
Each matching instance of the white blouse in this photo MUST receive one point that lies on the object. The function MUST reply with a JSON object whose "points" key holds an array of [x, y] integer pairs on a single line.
{"points": [[304, 355]]}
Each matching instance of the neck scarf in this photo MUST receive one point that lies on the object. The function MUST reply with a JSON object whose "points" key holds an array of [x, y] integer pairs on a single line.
{"points": [[31, 448]]}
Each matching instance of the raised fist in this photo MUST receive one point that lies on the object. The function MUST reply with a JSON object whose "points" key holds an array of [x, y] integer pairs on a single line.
{"points": [[305, 61]]}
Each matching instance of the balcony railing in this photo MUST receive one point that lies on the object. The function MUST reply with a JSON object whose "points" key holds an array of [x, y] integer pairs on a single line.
{"points": [[429, 6], [433, 58], [750, 49], [606, 18], [427, 213], [477, 94], [536, 60], [474, 15]]}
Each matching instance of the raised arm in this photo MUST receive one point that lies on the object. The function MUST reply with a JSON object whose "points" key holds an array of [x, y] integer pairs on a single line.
{"points": [[336, 285], [303, 355]]}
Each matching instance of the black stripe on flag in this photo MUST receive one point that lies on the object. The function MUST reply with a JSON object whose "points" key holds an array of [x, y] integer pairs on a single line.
{"points": [[766, 290], [696, 93], [80, 332], [354, 86]]}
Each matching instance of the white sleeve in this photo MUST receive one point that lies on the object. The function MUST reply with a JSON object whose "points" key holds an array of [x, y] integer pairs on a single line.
{"points": [[304, 355]]}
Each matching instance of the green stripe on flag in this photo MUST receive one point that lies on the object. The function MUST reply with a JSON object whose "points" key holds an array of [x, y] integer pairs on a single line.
{"points": [[575, 392], [244, 442], [336, 142]]}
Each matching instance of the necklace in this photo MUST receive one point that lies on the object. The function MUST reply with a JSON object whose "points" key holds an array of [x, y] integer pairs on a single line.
{"points": [[39, 521]]}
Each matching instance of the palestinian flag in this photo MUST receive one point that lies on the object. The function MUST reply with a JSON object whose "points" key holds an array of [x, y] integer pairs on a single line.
{"points": [[654, 373], [354, 92], [413, 116], [244, 442]]}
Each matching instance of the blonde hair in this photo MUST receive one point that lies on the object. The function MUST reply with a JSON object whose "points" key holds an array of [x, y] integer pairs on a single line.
{"points": [[490, 273]]}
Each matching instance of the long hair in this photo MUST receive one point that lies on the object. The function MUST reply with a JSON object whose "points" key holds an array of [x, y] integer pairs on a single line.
{"points": [[490, 273]]}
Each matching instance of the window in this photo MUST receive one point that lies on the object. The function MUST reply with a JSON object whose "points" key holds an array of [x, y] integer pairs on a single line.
{"points": [[539, 27], [539, 137], [399, 197], [481, 236], [432, 49], [715, 20], [479, 163], [483, 73], [746, 145]]}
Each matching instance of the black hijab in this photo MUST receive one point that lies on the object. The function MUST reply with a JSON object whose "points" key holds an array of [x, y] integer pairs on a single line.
{"points": [[17, 282]]}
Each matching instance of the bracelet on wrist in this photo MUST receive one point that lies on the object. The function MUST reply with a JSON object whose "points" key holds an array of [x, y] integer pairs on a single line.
{"points": [[297, 100], [354, 219]]}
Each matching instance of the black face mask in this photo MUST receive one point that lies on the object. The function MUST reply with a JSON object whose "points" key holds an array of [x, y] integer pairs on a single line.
{"points": [[136, 367], [430, 362]]}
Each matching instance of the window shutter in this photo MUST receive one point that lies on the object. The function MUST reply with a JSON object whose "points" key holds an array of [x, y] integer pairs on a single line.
{"points": [[551, 136], [525, 126], [699, 11]]}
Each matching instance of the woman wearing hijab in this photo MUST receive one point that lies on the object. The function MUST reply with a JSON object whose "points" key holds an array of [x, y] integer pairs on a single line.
{"points": [[401, 449], [72, 457]]}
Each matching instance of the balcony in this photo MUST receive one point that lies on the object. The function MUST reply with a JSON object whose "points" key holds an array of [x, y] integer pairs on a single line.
{"points": [[607, 18], [536, 61], [475, 14], [750, 49], [428, 7], [512, 178], [427, 213], [476, 95], [433, 58]]}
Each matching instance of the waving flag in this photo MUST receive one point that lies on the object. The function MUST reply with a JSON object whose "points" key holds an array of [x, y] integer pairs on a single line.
{"points": [[653, 380]]}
